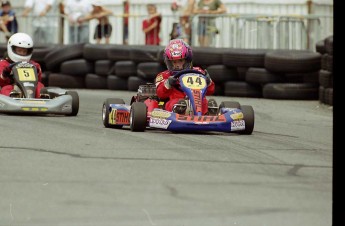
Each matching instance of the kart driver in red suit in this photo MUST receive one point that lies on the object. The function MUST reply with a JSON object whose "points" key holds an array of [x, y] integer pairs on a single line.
{"points": [[178, 56], [19, 48]]}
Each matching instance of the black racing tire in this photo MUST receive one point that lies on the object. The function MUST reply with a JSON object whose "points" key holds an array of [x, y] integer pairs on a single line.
{"points": [[94, 81], [325, 79], [249, 119], [75, 102], [327, 62], [138, 117], [292, 61], [329, 96], [221, 73], [106, 112], [149, 70], [230, 104], [262, 76], [242, 89], [66, 81], [244, 57], [94, 52], [117, 83], [64, 53], [329, 45], [125, 69], [205, 56], [117, 52], [144, 53], [104, 67], [320, 47], [291, 91], [39, 53], [321, 94], [134, 83], [77, 67]]}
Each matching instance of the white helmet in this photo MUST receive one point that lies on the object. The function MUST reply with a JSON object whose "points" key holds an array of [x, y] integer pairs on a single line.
{"points": [[19, 40]]}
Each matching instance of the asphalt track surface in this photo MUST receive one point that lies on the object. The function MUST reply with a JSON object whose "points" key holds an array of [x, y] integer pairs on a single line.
{"points": [[59, 171]]}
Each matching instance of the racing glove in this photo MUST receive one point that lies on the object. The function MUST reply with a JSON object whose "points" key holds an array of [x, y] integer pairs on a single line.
{"points": [[208, 78], [6, 72], [171, 81]]}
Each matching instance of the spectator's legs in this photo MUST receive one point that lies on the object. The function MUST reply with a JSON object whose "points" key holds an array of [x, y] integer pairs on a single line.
{"points": [[84, 33], [72, 34], [38, 35]]}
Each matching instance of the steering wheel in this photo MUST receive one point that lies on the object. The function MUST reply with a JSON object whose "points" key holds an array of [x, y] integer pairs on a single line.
{"points": [[178, 74], [13, 64]]}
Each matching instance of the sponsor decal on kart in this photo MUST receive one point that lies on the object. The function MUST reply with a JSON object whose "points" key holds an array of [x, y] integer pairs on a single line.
{"points": [[201, 119], [159, 78], [34, 109], [32, 101], [197, 100], [28, 84], [160, 114], [118, 117], [122, 117], [238, 125], [237, 116], [159, 123]]}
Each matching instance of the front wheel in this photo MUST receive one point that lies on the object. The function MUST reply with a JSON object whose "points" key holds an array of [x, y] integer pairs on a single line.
{"points": [[228, 104], [249, 119], [75, 102], [138, 117], [106, 112]]}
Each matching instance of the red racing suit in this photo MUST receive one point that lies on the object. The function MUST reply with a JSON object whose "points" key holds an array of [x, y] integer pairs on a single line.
{"points": [[174, 94], [5, 83]]}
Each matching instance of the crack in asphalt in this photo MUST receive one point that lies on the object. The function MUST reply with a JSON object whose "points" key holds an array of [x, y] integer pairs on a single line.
{"points": [[292, 171]]}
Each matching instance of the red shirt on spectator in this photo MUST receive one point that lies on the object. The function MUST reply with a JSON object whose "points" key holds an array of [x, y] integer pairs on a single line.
{"points": [[151, 26]]}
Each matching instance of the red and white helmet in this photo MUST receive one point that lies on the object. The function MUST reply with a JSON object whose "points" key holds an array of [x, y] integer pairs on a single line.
{"points": [[175, 50]]}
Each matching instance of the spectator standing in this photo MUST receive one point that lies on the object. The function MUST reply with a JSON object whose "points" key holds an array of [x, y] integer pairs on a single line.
{"points": [[8, 20], [103, 28], [207, 24], [40, 21], [151, 25], [125, 21], [182, 28], [75, 10]]}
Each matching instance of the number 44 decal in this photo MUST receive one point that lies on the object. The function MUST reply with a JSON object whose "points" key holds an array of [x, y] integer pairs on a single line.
{"points": [[194, 82]]}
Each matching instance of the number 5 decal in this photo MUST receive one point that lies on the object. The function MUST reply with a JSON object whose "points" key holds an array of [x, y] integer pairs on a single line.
{"points": [[26, 74]]}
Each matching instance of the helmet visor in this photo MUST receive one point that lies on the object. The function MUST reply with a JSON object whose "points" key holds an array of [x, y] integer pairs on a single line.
{"points": [[22, 51]]}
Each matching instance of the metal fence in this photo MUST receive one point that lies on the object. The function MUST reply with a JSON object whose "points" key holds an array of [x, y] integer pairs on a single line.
{"points": [[235, 30]]}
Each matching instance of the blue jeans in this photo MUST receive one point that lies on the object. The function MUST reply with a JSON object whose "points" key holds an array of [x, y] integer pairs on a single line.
{"points": [[79, 34]]}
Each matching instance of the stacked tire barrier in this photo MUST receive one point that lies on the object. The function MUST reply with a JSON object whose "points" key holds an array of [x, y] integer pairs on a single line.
{"points": [[325, 48], [259, 73]]}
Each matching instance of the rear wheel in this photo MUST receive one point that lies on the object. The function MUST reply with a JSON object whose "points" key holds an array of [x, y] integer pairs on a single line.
{"points": [[138, 117], [248, 116], [75, 102], [106, 111]]}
